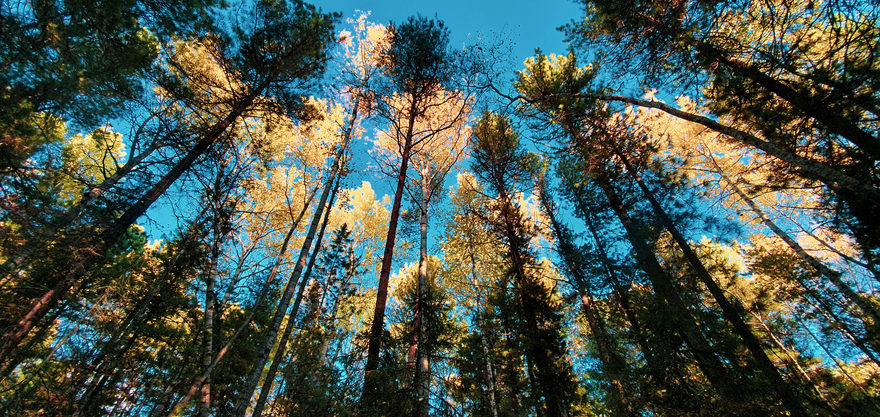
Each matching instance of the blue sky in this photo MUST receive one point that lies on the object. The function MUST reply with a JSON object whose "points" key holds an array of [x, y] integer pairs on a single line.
{"points": [[528, 24]]}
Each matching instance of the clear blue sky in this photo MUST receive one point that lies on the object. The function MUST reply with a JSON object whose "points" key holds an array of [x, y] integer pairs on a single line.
{"points": [[529, 24]]}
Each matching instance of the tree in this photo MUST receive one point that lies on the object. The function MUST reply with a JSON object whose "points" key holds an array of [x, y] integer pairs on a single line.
{"points": [[419, 66], [440, 151], [501, 164], [806, 95], [266, 68]]}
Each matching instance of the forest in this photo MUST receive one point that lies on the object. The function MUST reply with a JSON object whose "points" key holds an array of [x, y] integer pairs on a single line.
{"points": [[264, 208]]}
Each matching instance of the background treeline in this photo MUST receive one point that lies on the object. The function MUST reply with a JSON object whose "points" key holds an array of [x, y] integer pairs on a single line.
{"points": [[186, 229]]}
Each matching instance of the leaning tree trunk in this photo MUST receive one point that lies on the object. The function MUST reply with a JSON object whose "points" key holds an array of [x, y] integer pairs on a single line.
{"points": [[254, 378], [808, 104], [281, 350], [732, 311], [837, 181], [76, 272], [612, 362], [683, 321]]}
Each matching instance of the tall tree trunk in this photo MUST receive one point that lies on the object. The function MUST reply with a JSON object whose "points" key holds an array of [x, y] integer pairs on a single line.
{"points": [[377, 327], [490, 374], [683, 321], [422, 369], [251, 383], [281, 350], [208, 327], [261, 296], [74, 273], [539, 360], [732, 311], [484, 342], [612, 362]]}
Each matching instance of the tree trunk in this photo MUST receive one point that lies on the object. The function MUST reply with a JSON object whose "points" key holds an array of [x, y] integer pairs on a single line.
{"points": [[490, 375], [422, 374], [622, 294], [613, 364], [539, 360], [683, 321], [731, 310], [281, 351], [378, 325], [208, 327], [484, 342], [810, 105], [254, 378]]}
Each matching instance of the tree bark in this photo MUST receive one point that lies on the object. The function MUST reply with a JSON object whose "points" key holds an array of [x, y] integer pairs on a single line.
{"points": [[422, 371], [613, 364]]}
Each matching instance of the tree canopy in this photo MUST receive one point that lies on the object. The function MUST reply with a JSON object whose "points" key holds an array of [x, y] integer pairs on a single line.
{"points": [[260, 208]]}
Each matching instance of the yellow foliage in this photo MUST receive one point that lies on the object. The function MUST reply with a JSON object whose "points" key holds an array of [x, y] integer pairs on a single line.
{"points": [[89, 159]]}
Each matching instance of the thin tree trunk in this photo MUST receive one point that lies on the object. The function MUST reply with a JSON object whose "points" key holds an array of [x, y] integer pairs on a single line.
{"points": [[270, 279], [484, 342], [490, 375], [789, 358], [422, 375], [281, 350], [251, 383], [208, 327], [621, 402], [377, 327]]}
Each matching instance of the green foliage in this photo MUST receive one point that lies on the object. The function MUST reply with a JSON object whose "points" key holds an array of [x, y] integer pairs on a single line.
{"points": [[619, 320], [419, 57]]}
